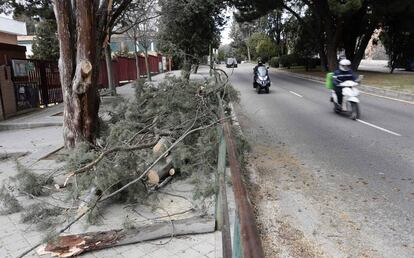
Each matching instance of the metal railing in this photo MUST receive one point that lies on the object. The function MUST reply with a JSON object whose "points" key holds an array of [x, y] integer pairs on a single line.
{"points": [[246, 239]]}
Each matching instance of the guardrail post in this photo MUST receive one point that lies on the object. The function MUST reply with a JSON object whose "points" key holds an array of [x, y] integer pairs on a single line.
{"points": [[237, 248]]}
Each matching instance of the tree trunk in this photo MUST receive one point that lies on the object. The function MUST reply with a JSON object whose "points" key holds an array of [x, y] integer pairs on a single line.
{"points": [[109, 70], [360, 51], [137, 65], [322, 56], [249, 57], [210, 52], [186, 70], [147, 65], [331, 57], [78, 74]]}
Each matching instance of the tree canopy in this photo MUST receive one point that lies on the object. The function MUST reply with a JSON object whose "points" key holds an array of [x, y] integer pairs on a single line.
{"points": [[190, 27], [336, 24], [46, 43]]}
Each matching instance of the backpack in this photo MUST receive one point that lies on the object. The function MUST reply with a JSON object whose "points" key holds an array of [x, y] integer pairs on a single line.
{"points": [[329, 81]]}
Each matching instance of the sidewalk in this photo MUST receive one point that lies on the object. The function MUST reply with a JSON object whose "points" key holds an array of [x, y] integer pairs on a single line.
{"points": [[43, 135]]}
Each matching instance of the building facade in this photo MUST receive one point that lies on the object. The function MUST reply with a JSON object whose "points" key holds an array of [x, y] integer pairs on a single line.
{"points": [[9, 30]]}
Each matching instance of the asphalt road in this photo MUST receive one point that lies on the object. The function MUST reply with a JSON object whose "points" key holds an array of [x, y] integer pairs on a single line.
{"points": [[378, 150]]}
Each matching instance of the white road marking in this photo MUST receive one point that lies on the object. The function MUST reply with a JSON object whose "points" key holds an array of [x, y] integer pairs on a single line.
{"points": [[294, 93], [385, 97], [379, 128], [372, 94]]}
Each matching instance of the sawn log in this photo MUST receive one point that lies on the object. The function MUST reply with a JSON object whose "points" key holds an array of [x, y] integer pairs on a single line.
{"points": [[160, 171]]}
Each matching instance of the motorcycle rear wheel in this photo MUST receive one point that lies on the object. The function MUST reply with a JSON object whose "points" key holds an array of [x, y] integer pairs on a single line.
{"points": [[355, 112]]}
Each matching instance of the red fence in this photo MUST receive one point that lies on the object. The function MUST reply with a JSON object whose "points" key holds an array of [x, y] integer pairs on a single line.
{"points": [[36, 83], [124, 69]]}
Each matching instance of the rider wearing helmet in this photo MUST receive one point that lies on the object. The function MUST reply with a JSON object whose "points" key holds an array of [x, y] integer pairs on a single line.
{"points": [[259, 63], [344, 73]]}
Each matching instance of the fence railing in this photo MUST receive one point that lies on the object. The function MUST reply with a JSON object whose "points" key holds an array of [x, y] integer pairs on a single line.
{"points": [[37, 82], [246, 240]]}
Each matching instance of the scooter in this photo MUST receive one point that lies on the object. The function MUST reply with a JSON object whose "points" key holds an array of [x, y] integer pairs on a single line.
{"points": [[261, 80], [350, 101]]}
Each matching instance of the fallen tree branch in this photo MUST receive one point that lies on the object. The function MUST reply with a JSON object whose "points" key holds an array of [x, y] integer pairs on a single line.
{"points": [[144, 129], [188, 132], [72, 245], [107, 152], [161, 217], [44, 201], [58, 232]]}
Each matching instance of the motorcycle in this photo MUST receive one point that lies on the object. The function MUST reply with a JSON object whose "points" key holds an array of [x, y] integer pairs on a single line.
{"points": [[261, 79], [350, 101]]}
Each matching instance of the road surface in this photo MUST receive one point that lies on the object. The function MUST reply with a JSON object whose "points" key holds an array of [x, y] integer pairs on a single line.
{"points": [[323, 184]]}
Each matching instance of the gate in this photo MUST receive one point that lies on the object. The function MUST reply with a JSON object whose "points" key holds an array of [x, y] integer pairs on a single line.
{"points": [[36, 83]]}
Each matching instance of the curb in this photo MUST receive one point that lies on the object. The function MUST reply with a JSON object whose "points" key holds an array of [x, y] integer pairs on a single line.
{"points": [[235, 120], [365, 88], [8, 155], [7, 127]]}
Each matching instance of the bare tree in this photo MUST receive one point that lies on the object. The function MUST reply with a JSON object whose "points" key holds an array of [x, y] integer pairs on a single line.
{"points": [[135, 23], [83, 27]]}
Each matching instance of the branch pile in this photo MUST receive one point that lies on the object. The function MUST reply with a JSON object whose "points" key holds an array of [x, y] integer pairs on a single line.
{"points": [[166, 131], [137, 133]]}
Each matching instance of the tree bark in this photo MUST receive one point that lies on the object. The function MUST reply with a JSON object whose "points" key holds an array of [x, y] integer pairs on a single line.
{"points": [[109, 70], [360, 51], [210, 53], [147, 65], [186, 69], [136, 57], [161, 171], [78, 73], [249, 57]]}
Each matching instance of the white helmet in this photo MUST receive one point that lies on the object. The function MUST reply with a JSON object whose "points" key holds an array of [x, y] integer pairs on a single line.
{"points": [[345, 65]]}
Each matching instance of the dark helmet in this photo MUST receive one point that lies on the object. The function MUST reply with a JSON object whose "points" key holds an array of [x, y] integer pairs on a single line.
{"points": [[259, 62]]}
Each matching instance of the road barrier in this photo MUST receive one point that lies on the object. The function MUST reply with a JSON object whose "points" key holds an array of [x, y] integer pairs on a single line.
{"points": [[246, 239]]}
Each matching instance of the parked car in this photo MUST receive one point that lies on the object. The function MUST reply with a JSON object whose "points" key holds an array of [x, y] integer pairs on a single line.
{"points": [[231, 62]]}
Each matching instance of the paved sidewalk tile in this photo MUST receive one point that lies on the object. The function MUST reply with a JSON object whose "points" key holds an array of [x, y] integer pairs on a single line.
{"points": [[189, 253]]}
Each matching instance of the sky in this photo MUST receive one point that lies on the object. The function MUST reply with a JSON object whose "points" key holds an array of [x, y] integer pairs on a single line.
{"points": [[225, 34], [6, 16]]}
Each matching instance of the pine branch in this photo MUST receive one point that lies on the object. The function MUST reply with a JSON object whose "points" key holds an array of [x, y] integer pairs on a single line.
{"points": [[60, 231], [187, 133], [106, 153]]}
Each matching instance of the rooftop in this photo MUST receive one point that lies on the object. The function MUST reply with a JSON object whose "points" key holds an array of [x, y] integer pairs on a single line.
{"points": [[12, 27]]}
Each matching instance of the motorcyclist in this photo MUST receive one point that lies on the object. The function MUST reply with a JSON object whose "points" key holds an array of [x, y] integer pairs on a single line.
{"points": [[259, 63], [343, 73]]}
